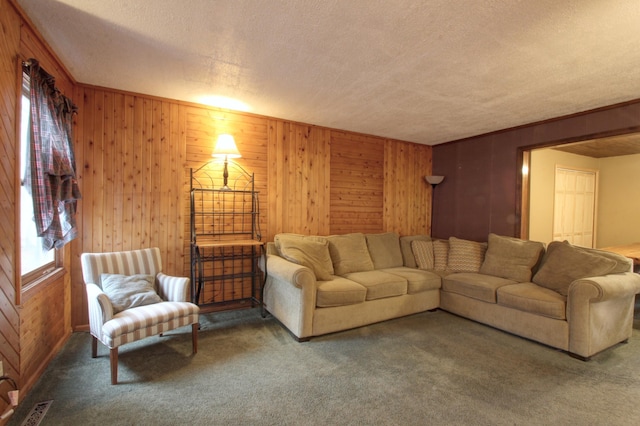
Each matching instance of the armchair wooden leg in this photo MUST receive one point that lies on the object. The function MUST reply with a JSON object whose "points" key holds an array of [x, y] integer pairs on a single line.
{"points": [[113, 357], [94, 347], [194, 337]]}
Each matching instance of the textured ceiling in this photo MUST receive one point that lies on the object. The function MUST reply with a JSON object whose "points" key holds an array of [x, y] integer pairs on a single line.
{"points": [[425, 71]]}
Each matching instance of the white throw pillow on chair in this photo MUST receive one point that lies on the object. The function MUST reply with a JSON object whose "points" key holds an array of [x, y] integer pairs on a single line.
{"points": [[127, 292]]}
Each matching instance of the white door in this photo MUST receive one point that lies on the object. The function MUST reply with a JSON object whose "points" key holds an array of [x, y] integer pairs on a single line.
{"points": [[575, 206]]}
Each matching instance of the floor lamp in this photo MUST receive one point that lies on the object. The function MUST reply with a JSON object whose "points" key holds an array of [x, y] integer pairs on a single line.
{"points": [[433, 181]]}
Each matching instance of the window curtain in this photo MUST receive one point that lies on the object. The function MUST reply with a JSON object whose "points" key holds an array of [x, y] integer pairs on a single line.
{"points": [[50, 175]]}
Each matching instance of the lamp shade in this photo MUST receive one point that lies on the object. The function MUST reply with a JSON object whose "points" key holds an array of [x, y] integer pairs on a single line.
{"points": [[226, 147], [434, 180]]}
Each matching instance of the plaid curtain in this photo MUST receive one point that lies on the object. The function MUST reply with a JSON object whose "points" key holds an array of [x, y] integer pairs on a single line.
{"points": [[51, 167]]}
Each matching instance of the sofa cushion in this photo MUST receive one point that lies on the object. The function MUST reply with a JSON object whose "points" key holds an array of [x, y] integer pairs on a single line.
{"points": [[407, 250], [530, 297], [384, 250], [349, 253], [563, 263], [417, 280], [308, 252], [465, 255], [379, 284], [511, 258], [339, 292], [440, 254], [476, 286], [423, 254]]}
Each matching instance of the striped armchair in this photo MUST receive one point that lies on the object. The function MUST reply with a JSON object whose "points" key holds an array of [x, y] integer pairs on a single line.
{"points": [[114, 330]]}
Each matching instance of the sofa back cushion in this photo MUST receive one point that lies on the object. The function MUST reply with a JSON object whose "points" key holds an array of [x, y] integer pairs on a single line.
{"points": [[309, 251], [384, 250], [563, 263], [465, 255], [349, 253], [407, 251], [511, 258]]}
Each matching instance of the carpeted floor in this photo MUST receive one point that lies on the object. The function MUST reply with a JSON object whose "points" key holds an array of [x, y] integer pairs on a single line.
{"points": [[429, 368]]}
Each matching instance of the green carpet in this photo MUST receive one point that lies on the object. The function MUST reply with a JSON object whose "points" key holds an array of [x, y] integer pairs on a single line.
{"points": [[429, 368]]}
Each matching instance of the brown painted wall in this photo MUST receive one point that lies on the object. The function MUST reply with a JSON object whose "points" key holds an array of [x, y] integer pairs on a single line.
{"points": [[480, 193]]}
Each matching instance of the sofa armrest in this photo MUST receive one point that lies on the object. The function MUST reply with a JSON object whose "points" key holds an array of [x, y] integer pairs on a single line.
{"points": [[283, 270], [290, 295], [606, 287], [173, 289], [600, 312]]}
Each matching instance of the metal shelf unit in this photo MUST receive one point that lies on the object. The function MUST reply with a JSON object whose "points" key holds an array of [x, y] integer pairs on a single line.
{"points": [[226, 242]]}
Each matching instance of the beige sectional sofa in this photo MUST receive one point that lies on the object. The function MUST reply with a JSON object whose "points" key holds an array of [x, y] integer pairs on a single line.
{"points": [[348, 281], [575, 299]]}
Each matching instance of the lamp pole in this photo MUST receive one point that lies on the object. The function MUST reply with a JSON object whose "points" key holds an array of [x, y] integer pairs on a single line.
{"points": [[433, 181]]}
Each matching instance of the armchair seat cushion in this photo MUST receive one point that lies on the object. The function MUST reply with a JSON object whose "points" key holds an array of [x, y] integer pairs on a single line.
{"points": [[137, 323]]}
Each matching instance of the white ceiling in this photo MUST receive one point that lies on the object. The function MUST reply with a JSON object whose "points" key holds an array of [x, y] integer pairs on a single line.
{"points": [[425, 71]]}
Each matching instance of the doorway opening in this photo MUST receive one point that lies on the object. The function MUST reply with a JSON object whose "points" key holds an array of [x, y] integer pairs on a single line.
{"points": [[616, 189]]}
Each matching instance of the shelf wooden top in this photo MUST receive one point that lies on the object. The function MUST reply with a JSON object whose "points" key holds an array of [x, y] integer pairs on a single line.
{"points": [[629, 250], [230, 243]]}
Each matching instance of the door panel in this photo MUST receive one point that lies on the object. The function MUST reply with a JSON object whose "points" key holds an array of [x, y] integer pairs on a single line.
{"points": [[574, 206]]}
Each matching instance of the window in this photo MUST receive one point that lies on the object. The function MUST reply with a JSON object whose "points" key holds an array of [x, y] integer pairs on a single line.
{"points": [[35, 263]]}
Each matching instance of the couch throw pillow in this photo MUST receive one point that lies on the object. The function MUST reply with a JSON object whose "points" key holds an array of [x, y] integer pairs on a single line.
{"points": [[407, 251], [129, 291], [423, 253], [511, 258], [349, 253], [310, 253], [440, 254], [563, 263], [384, 250], [465, 255]]}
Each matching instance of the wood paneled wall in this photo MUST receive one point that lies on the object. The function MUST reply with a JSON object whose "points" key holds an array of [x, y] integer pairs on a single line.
{"points": [[9, 314], [357, 183], [130, 157], [33, 325], [407, 196], [134, 154], [299, 179]]}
